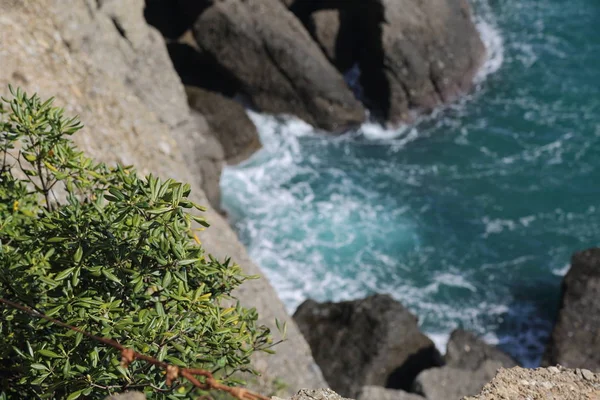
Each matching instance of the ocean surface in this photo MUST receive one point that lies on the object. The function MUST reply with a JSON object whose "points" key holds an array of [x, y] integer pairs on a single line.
{"points": [[468, 217]]}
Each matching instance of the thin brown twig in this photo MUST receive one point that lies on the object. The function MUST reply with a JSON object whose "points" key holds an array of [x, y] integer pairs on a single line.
{"points": [[129, 355]]}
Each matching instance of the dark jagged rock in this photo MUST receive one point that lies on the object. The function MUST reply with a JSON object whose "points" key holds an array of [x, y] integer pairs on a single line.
{"points": [[280, 68], [228, 121], [373, 341], [467, 351], [575, 340], [414, 55]]}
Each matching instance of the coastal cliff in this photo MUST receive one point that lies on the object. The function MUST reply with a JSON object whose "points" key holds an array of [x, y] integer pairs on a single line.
{"points": [[103, 62]]}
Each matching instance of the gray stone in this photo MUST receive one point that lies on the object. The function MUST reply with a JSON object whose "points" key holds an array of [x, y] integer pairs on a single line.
{"points": [[587, 374], [381, 393], [539, 383], [281, 69], [575, 340], [229, 122], [454, 383], [467, 351], [373, 341], [318, 394], [114, 30]]}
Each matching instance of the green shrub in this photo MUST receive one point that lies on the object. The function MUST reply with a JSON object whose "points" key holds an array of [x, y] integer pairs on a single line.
{"points": [[112, 253]]}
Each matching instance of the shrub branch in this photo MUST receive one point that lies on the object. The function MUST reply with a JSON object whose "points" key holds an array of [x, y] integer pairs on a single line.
{"points": [[129, 355]]}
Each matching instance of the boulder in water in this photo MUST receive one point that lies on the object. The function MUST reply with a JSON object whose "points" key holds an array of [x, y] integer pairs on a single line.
{"points": [[280, 68], [373, 341], [413, 54]]}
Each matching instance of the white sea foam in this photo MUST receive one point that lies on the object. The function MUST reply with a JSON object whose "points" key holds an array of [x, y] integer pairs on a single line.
{"points": [[561, 271], [494, 45], [273, 194], [492, 39]]}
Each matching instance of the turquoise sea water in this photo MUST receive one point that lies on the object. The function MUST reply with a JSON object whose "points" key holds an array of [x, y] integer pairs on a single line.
{"points": [[469, 217]]}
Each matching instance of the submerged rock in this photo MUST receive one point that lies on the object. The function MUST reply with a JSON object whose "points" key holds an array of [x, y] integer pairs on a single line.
{"points": [[373, 341], [280, 68], [575, 340]]}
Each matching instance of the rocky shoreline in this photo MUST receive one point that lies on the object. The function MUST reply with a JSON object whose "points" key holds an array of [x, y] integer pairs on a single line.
{"points": [[103, 61]]}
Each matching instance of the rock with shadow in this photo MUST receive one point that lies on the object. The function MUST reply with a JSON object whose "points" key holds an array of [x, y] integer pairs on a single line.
{"points": [[575, 340], [470, 364], [414, 54], [228, 121], [280, 68], [370, 342]]}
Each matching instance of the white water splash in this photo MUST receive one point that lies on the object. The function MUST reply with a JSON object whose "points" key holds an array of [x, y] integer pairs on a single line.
{"points": [[492, 39], [263, 183]]}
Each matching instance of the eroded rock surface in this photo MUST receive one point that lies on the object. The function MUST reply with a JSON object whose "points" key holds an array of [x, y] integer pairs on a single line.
{"points": [[373, 341], [553, 383], [575, 340]]}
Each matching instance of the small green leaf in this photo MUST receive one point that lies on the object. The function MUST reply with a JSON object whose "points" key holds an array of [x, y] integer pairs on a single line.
{"points": [[57, 239], [75, 395], [48, 353], [115, 192], [111, 276], [64, 274], [54, 310], [78, 254], [159, 309], [188, 261]]}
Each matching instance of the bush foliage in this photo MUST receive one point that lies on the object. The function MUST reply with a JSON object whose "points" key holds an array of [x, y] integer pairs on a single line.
{"points": [[112, 253]]}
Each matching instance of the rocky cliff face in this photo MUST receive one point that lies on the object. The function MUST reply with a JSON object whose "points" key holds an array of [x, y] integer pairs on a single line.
{"points": [[102, 61], [413, 55], [575, 340]]}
